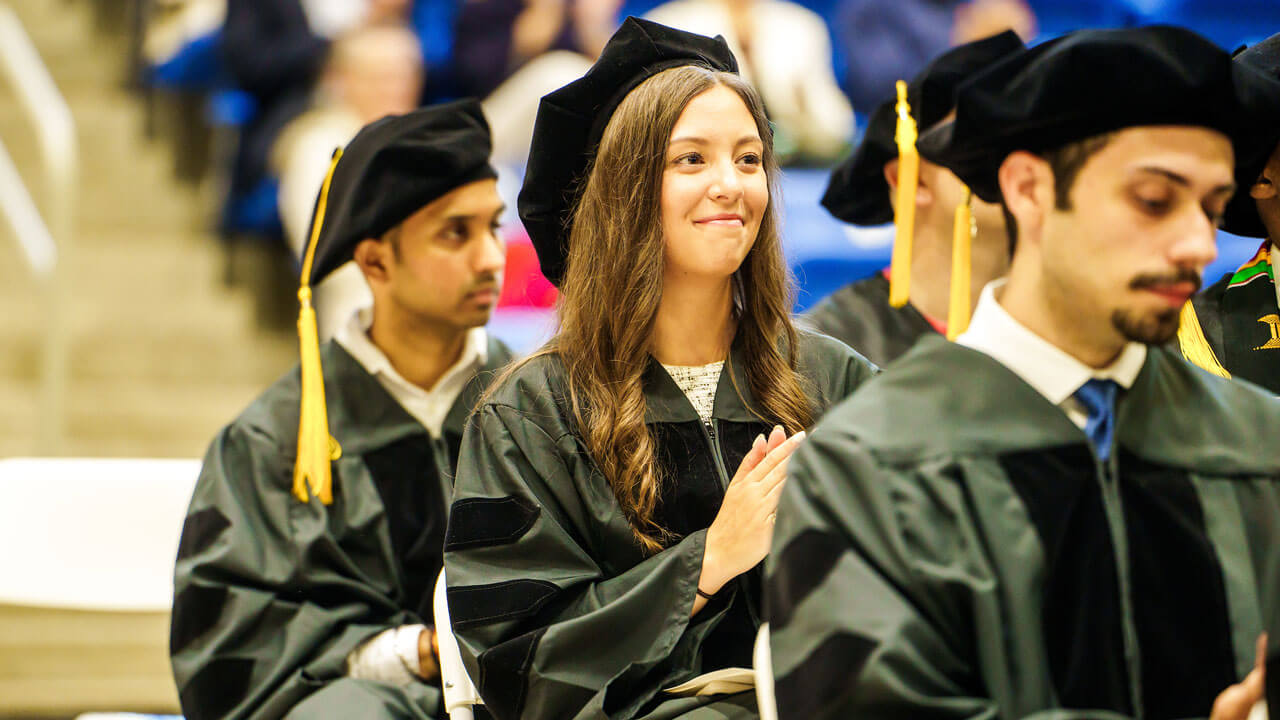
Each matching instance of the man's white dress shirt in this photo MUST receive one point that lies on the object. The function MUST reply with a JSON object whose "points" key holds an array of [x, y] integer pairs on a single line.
{"points": [[1042, 365], [391, 656]]}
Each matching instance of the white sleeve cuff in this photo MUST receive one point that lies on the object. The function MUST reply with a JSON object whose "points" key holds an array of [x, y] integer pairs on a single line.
{"points": [[390, 657]]}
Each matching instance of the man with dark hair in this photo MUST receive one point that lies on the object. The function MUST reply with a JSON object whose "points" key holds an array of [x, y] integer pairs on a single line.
{"points": [[1053, 516], [863, 191], [308, 559], [1232, 329]]}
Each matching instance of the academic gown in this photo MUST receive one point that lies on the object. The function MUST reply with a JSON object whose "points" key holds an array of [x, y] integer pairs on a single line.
{"points": [[948, 546], [272, 594], [558, 612], [859, 315], [1240, 322]]}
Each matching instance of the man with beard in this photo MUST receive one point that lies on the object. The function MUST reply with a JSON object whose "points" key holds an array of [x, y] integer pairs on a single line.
{"points": [[309, 555], [862, 191], [1054, 516], [1232, 329]]}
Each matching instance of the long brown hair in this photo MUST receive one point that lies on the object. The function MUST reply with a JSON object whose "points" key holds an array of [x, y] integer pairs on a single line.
{"points": [[613, 286]]}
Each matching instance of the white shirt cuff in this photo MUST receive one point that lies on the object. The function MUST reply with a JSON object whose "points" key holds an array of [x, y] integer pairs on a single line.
{"points": [[389, 657]]}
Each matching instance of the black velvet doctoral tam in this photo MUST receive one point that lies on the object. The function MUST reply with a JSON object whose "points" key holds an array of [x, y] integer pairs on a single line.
{"points": [[1092, 82], [857, 192], [1241, 217], [392, 168]]}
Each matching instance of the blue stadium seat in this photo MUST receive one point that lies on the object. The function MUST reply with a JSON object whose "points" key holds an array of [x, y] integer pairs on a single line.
{"points": [[197, 67]]}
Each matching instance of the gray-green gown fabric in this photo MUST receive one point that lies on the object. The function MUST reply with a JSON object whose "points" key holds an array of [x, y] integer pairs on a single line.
{"points": [[948, 546], [272, 594], [558, 612]]}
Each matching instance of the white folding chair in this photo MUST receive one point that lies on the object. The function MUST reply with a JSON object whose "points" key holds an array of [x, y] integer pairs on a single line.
{"points": [[88, 543], [460, 694], [762, 664]]}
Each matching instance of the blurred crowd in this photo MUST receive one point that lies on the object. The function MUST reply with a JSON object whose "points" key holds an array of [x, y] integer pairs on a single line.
{"points": [[306, 74]]}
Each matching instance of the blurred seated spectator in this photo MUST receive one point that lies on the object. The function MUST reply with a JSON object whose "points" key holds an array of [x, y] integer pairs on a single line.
{"points": [[889, 40], [173, 24], [784, 51], [511, 108], [980, 19], [373, 71], [495, 38], [275, 50]]}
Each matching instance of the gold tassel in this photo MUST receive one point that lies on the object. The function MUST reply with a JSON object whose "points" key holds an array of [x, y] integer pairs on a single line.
{"points": [[316, 449], [961, 247], [904, 216], [1195, 348]]}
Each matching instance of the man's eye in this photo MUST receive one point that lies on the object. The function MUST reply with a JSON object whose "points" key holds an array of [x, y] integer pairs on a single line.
{"points": [[1154, 206]]}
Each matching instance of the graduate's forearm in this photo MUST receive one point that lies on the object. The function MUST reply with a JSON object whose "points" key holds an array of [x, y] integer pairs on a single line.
{"points": [[712, 577]]}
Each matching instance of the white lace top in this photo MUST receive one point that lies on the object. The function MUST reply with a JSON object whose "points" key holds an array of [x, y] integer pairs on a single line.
{"points": [[699, 384]]}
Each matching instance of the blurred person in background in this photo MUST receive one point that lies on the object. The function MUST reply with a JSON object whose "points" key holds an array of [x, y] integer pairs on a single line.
{"points": [[495, 38], [783, 49], [275, 50], [373, 71], [888, 40], [305, 573], [512, 52], [1232, 329], [863, 191]]}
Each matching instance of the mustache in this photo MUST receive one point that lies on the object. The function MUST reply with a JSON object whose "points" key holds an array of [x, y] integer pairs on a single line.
{"points": [[488, 281], [1149, 280]]}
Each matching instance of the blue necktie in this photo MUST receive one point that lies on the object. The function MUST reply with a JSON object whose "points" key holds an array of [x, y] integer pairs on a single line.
{"points": [[1099, 399]]}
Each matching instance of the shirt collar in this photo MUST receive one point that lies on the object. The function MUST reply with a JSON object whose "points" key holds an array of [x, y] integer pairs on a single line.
{"points": [[354, 337], [1052, 372]]}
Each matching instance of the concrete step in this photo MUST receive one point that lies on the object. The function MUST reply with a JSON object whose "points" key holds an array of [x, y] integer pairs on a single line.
{"points": [[132, 419], [161, 351]]}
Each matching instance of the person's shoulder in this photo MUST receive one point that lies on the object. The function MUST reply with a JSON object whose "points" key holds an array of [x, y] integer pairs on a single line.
{"points": [[873, 289], [848, 311], [1216, 424], [274, 413], [815, 349], [1211, 297], [499, 353], [529, 385]]}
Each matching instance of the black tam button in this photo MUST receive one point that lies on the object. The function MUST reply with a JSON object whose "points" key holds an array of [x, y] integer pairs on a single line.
{"points": [[571, 121]]}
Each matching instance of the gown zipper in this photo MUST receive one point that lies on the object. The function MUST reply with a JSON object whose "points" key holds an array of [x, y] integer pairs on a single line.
{"points": [[744, 584]]}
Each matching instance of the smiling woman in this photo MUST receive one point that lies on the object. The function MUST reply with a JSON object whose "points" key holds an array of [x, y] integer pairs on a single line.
{"points": [[615, 446]]}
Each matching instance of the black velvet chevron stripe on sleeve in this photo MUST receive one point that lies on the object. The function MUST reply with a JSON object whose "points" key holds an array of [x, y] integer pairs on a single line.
{"points": [[487, 522], [483, 604]]}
